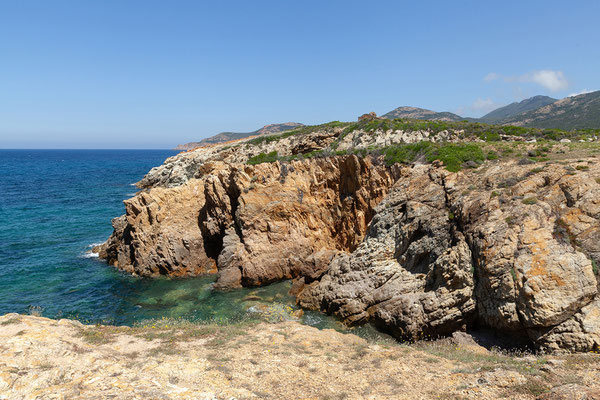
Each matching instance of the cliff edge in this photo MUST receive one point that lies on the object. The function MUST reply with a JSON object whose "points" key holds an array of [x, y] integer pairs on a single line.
{"points": [[422, 228]]}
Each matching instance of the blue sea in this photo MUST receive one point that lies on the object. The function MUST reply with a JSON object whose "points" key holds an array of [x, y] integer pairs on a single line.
{"points": [[55, 205]]}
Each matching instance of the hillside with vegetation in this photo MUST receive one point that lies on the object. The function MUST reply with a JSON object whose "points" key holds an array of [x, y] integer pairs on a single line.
{"points": [[229, 136], [575, 112], [502, 114], [453, 143], [421, 113]]}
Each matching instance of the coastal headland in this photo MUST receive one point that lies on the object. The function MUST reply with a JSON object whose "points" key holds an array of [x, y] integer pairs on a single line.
{"points": [[423, 228]]}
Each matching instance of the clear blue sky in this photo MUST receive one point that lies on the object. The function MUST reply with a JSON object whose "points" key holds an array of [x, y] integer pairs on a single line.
{"points": [[152, 74]]}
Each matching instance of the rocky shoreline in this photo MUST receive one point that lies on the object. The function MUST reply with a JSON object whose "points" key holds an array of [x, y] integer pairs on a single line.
{"points": [[510, 244]]}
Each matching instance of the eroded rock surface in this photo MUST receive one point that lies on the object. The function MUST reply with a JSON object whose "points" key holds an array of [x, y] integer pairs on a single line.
{"points": [[256, 224], [417, 250], [506, 248], [412, 273]]}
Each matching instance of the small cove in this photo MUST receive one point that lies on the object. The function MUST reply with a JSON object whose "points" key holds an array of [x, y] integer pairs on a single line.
{"points": [[56, 204]]}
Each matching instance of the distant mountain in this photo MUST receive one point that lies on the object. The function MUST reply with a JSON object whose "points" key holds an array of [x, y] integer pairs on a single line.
{"points": [[228, 136], [501, 114], [421, 113], [576, 112]]}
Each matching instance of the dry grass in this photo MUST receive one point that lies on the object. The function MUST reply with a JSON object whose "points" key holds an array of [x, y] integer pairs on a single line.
{"points": [[10, 321]]}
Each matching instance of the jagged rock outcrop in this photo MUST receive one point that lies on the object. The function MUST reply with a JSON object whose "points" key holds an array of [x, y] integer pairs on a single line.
{"points": [[417, 250], [413, 272], [510, 247], [177, 170], [159, 234], [256, 224]]}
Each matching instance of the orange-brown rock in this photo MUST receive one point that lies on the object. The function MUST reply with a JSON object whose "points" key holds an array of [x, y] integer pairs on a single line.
{"points": [[416, 250], [256, 224], [509, 247]]}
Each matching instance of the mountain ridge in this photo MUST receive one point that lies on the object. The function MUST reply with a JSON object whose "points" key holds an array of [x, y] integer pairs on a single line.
{"points": [[516, 108], [228, 136], [573, 112], [421, 113]]}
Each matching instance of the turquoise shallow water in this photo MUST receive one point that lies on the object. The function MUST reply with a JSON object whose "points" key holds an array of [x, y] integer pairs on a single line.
{"points": [[55, 204]]}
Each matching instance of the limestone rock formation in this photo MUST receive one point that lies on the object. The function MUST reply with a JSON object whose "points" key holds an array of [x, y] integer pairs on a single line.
{"points": [[447, 250], [257, 224], [416, 250]]}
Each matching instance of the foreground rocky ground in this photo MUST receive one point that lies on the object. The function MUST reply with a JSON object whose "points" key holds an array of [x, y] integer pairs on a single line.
{"points": [[49, 359]]}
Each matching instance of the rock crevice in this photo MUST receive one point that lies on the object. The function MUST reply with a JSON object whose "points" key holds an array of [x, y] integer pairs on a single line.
{"points": [[250, 223], [418, 251], [448, 251]]}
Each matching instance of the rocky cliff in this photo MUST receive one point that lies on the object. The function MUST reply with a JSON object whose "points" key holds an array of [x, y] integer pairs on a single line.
{"points": [[504, 248], [415, 249]]}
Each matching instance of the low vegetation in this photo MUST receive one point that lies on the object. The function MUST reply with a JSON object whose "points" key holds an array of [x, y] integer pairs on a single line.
{"points": [[272, 360], [489, 133], [454, 156], [263, 158], [482, 142]]}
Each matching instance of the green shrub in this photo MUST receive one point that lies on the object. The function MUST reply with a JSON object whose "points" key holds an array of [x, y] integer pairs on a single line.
{"points": [[536, 170], [452, 155], [455, 155], [529, 200], [492, 155], [405, 153], [490, 136], [263, 158]]}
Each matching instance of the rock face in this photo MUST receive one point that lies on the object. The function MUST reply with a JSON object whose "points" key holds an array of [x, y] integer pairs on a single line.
{"points": [[257, 224], [447, 250], [417, 250], [413, 272]]}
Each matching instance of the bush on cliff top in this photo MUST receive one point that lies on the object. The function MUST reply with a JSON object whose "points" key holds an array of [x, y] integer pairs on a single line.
{"points": [[489, 133], [452, 155], [263, 158]]}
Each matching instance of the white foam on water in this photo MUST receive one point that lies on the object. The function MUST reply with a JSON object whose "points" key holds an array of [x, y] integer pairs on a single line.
{"points": [[89, 254]]}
